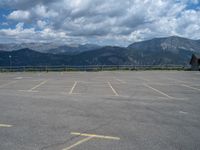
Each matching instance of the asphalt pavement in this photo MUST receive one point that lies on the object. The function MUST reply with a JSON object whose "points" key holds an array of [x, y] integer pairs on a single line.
{"points": [[117, 110]]}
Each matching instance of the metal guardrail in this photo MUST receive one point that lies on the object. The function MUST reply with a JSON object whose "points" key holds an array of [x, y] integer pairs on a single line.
{"points": [[92, 68]]}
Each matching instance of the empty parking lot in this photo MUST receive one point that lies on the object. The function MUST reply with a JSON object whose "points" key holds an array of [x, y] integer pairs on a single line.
{"points": [[120, 110]]}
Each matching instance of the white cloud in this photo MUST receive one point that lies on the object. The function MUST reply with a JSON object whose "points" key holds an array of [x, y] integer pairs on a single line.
{"points": [[20, 26], [19, 31], [41, 24], [19, 15], [22, 35], [41, 11], [114, 21]]}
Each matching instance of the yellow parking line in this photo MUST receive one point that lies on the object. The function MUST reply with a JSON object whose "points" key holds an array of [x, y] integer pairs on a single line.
{"points": [[190, 87], [158, 91], [88, 137], [96, 136], [78, 143], [5, 125], [114, 91], [73, 87], [37, 86], [27, 91]]}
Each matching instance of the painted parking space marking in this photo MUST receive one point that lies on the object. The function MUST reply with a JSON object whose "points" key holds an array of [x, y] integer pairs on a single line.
{"points": [[95, 136], [88, 137], [18, 78], [158, 91], [73, 87], [190, 87], [33, 89], [183, 112], [78, 143], [5, 125], [114, 91], [119, 80], [38, 85]]}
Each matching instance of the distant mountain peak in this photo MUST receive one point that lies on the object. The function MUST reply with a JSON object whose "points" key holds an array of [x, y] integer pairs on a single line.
{"points": [[171, 44]]}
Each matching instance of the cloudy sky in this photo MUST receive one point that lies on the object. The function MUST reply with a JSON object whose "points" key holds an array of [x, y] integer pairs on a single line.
{"points": [[104, 22]]}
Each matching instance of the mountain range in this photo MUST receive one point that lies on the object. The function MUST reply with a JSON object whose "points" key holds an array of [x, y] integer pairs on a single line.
{"points": [[158, 51], [53, 48]]}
